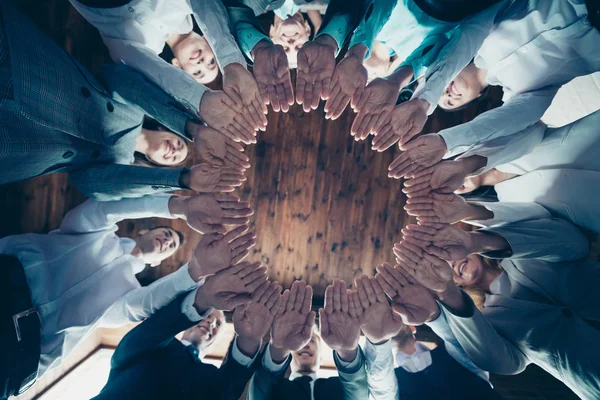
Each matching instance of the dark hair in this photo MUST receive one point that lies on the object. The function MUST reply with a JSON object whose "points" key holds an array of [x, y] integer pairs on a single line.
{"points": [[181, 237], [476, 100]]}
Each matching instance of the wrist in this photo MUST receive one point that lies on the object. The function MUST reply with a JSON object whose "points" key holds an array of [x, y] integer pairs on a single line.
{"points": [[184, 179], [347, 355], [248, 346], [484, 242], [473, 163], [401, 76], [358, 50], [477, 213], [327, 40], [195, 267], [200, 303], [376, 342], [453, 299], [261, 45], [177, 206], [278, 354]]}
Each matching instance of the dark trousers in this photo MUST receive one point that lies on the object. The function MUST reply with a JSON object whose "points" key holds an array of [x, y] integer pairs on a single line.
{"points": [[20, 330]]}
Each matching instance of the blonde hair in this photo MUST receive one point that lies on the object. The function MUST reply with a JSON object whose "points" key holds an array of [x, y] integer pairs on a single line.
{"points": [[477, 294]]}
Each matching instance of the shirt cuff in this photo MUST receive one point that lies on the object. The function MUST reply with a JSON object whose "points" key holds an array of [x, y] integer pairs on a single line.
{"points": [[338, 28], [188, 309], [240, 357], [271, 365], [422, 93], [376, 351], [349, 367], [249, 38], [158, 205], [456, 137]]}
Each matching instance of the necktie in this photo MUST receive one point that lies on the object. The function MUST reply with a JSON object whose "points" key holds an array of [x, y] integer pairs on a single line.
{"points": [[303, 382], [193, 351]]}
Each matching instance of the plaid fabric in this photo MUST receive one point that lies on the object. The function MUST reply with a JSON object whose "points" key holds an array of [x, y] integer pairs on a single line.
{"points": [[62, 119]]}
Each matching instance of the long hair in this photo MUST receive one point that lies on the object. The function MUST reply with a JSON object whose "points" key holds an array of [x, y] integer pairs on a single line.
{"points": [[477, 294]]}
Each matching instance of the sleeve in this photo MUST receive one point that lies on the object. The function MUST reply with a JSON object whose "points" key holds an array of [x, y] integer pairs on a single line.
{"points": [[154, 333], [240, 357], [441, 328], [456, 55], [213, 21], [477, 336], [426, 54], [235, 375], [507, 148], [245, 26], [550, 240], [507, 213], [175, 81], [143, 302], [517, 114], [353, 377], [267, 375], [342, 17], [118, 181], [138, 90], [371, 23], [381, 377], [93, 215]]}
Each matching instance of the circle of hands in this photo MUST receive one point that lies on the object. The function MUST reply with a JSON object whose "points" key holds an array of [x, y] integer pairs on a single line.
{"points": [[377, 306]]}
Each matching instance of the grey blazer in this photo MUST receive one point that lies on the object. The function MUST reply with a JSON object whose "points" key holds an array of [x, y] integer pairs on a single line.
{"points": [[55, 116]]}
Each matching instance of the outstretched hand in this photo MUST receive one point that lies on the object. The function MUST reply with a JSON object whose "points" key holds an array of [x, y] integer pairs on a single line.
{"points": [[415, 304], [446, 208], [292, 327], [418, 154], [220, 112], [377, 320], [272, 73], [253, 321], [348, 81], [403, 123], [241, 87], [316, 63], [430, 271], [444, 241], [340, 328], [206, 178], [217, 149], [216, 252], [443, 177]]}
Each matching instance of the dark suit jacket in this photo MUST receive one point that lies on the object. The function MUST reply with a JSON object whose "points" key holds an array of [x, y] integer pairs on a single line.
{"points": [[444, 379], [150, 363], [56, 116]]}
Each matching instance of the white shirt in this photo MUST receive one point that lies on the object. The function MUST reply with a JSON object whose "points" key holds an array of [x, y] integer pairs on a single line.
{"points": [[82, 275], [135, 34], [415, 362], [534, 47]]}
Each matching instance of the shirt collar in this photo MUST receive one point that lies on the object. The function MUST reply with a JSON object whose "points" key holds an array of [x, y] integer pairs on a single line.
{"points": [[295, 375], [128, 245], [416, 362]]}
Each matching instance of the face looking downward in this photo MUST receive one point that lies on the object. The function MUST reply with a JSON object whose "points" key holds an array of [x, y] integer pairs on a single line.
{"points": [[291, 33], [205, 333], [194, 55], [465, 88], [165, 148], [157, 244]]}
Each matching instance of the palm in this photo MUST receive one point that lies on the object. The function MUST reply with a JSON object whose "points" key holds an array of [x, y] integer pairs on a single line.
{"points": [[379, 322], [241, 82], [343, 332], [447, 177], [287, 331], [428, 152], [454, 241], [205, 212], [210, 147], [415, 304], [450, 209], [215, 111], [381, 96], [271, 66], [315, 62], [205, 178], [433, 277], [224, 290], [252, 321], [352, 75]]}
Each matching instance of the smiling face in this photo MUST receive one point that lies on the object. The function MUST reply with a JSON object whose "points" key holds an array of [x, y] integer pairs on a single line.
{"points": [[308, 358], [194, 55], [165, 148], [157, 244], [465, 88], [469, 271], [291, 33], [204, 334]]}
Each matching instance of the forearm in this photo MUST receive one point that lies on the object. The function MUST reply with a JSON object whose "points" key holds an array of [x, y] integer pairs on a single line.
{"points": [[347, 355], [245, 27], [248, 347], [453, 299], [371, 23], [381, 377], [484, 242]]}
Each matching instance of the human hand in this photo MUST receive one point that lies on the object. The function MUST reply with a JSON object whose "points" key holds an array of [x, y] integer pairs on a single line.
{"points": [[430, 271], [442, 240], [218, 150], [231, 287], [377, 320], [272, 73], [413, 302], [216, 252], [206, 178], [241, 87], [292, 327], [446, 208], [469, 185], [348, 81], [253, 321], [209, 213], [220, 112], [403, 123], [316, 63], [340, 328], [443, 177], [373, 106], [418, 154]]}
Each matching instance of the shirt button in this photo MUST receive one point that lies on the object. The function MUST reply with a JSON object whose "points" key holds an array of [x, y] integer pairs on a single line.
{"points": [[68, 154], [130, 9], [85, 92], [110, 107], [96, 154]]}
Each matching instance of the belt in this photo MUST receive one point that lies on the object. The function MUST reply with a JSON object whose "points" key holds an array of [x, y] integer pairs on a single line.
{"points": [[22, 326]]}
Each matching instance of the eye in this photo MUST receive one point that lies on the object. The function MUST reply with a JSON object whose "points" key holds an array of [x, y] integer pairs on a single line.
{"points": [[212, 62]]}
